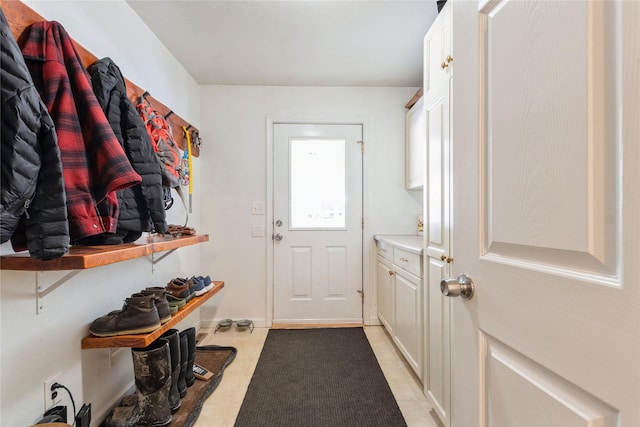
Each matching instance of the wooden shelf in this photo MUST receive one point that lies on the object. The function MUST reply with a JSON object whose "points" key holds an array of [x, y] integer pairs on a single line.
{"points": [[83, 257], [144, 340]]}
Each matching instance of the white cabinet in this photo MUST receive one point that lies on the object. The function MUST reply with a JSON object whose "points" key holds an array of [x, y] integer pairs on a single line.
{"points": [[399, 295], [409, 325], [415, 140], [438, 55], [385, 294], [438, 81]]}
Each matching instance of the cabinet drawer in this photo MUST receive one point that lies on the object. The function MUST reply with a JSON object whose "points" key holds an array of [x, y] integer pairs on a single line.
{"points": [[385, 251], [407, 261]]}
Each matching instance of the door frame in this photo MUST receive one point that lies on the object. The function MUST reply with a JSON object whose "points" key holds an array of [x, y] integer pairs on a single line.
{"points": [[365, 245]]}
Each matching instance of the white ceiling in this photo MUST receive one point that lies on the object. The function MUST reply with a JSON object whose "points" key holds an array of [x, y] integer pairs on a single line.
{"points": [[295, 42]]}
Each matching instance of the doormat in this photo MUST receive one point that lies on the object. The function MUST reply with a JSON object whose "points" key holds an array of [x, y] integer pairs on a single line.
{"points": [[215, 359], [318, 378]]}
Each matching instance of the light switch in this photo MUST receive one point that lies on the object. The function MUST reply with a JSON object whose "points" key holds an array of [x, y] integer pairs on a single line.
{"points": [[257, 231], [257, 208]]}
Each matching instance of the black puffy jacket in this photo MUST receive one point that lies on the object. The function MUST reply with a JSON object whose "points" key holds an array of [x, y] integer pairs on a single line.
{"points": [[33, 208], [141, 207]]}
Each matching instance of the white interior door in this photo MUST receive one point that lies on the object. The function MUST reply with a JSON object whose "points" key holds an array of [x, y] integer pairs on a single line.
{"points": [[546, 218], [317, 206]]}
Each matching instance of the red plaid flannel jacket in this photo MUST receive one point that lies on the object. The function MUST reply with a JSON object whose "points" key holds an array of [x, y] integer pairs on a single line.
{"points": [[94, 164]]}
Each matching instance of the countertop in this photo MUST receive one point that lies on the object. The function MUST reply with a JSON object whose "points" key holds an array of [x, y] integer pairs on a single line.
{"points": [[408, 242]]}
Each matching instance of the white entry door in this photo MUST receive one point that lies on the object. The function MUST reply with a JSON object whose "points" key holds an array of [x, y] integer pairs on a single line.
{"points": [[546, 216], [317, 212]]}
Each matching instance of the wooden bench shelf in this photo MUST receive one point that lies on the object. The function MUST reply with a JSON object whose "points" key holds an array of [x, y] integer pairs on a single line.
{"points": [[83, 257], [144, 340]]}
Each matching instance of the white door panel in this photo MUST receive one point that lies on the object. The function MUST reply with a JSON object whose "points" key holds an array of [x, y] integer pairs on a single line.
{"points": [[550, 231], [318, 199]]}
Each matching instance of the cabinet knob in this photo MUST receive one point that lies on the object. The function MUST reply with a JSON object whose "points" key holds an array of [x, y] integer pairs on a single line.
{"points": [[391, 272], [443, 257], [449, 59], [444, 65]]}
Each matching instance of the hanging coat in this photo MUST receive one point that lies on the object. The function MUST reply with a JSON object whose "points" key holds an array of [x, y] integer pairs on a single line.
{"points": [[141, 207], [33, 211], [93, 161]]}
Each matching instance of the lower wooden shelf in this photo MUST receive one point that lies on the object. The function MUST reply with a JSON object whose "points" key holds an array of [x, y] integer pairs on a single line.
{"points": [[143, 340]]}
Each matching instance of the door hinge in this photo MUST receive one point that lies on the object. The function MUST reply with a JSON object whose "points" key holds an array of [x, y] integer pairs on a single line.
{"points": [[361, 146], [362, 223]]}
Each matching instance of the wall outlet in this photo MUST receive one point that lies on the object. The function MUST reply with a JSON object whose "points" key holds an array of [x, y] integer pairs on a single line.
{"points": [[52, 397]]}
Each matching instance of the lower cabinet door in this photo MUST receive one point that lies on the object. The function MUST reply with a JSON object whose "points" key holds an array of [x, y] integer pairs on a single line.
{"points": [[408, 332], [386, 295]]}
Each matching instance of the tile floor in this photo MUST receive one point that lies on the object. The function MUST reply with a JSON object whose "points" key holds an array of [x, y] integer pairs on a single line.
{"points": [[221, 408]]}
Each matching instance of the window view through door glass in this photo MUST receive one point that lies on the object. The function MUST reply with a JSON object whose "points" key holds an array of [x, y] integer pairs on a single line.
{"points": [[317, 183]]}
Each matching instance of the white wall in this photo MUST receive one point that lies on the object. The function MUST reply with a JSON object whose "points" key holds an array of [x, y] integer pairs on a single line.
{"points": [[234, 172], [34, 347]]}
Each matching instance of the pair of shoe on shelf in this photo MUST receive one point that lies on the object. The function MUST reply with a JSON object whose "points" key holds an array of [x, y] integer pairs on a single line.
{"points": [[188, 288], [142, 312], [162, 371], [178, 230], [145, 311]]}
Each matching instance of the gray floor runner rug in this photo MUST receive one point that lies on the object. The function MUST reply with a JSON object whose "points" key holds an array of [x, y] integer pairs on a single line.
{"points": [[318, 377]]}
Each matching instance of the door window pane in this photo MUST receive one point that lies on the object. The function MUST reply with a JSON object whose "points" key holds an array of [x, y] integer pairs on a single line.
{"points": [[317, 194]]}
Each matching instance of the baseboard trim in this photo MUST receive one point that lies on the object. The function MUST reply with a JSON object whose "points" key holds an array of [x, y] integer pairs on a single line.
{"points": [[315, 325]]}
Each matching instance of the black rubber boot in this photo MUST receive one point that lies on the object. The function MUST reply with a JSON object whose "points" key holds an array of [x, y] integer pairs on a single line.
{"points": [[173, 338], [190, 333], [139, 315], [184, 350], [152, 371]]}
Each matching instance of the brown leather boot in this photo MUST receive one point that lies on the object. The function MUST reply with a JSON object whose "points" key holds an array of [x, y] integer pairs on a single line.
{"points": [[139, 315]]}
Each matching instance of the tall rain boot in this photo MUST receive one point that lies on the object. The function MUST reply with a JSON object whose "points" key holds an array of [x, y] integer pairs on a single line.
{"points": [[152, 371], [184, 350], [189, 378], [173, 338]]}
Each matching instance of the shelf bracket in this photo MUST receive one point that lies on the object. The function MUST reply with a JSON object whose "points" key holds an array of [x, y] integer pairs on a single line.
{"points": [[41, 293], [155, 260]]}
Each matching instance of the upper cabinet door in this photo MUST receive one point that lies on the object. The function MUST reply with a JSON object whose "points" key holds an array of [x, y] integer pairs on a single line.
{"points": [[415, 145], [438, 55]]}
